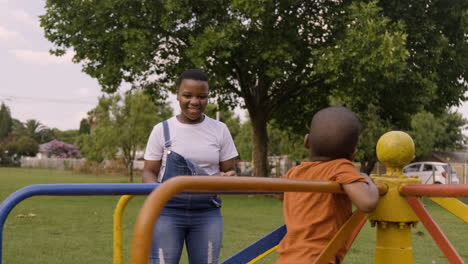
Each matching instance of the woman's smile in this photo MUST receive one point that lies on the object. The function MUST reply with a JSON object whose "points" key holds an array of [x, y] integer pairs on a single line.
{"points": [[193, 98]]}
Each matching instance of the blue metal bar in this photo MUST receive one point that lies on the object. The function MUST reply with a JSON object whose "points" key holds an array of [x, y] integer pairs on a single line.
{"points": [[86, 189], [68, 190], [257, 248]]}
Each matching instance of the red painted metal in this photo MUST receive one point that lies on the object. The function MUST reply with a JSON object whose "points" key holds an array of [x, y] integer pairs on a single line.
{"points": [[435, 190], [356, 231], [439, 237]]}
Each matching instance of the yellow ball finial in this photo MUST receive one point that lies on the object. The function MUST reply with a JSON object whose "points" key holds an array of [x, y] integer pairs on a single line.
{"points": [[395, 149]]}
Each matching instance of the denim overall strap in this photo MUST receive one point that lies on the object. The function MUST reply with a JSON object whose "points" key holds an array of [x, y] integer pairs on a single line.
{"points": [[177, 165], [167, 135]]}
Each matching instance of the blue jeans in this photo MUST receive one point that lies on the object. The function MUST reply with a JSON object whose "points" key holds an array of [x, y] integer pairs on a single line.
{"points": [[202, 231]]}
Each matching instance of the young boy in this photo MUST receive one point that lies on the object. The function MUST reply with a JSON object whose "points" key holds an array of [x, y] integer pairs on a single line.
{"points": [[312, 219]]}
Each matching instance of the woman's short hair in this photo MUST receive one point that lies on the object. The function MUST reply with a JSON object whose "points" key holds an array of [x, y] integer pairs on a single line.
{"points": [[192, 74]]}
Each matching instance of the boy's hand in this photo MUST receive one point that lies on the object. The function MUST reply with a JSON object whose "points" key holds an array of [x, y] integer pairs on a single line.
{"points": [[364, 195]]}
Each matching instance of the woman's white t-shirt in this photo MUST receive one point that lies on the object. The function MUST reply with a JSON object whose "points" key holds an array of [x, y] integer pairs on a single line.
{"points": [[206, 143]]}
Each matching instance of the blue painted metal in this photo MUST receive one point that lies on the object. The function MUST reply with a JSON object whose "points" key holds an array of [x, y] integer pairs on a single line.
{"points": [[257, 248], [86, 189], [68, 190]]}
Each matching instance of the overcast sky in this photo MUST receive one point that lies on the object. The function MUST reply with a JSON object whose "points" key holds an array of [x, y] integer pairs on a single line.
{"points": [[40, 86]]}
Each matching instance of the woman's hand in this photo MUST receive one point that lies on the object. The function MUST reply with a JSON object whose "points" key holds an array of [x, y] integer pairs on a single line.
{"points": [[227, 168], [228, 173]]}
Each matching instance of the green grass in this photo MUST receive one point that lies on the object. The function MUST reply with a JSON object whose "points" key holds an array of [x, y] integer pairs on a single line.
{"points": [[79, 229]]}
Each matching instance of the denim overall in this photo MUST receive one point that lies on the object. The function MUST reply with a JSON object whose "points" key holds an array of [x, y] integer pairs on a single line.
{"points": [[177, 165], [193, 219]]}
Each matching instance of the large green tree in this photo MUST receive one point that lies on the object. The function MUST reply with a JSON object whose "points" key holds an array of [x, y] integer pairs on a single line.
{"points": [[285, 59], [122, 125], [443, 133], [24, 146], [6, 122], [224, 115]]}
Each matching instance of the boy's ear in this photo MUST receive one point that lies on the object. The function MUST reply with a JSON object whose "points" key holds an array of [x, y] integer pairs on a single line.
{"points": [[354, 154], [306, 141]]}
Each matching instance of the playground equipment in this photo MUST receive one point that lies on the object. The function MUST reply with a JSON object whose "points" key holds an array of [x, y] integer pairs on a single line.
{"points": [[398, 210], [399, 207]]}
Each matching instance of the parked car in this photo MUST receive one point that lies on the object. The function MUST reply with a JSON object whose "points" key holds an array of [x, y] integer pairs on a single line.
{"points": [[431, 172]]}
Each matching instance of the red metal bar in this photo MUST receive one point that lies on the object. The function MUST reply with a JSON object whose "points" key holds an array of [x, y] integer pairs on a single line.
{"points": [[355, 233], [153, 205], [435, 190], [433, 229]]}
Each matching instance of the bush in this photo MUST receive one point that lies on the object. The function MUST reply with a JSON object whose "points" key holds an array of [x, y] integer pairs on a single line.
{"points": [[24, 146], [107, 167], [62, 150], [7, 158]]}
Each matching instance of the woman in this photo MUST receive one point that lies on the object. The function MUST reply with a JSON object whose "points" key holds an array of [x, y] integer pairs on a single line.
{"points": [[190, 143]]}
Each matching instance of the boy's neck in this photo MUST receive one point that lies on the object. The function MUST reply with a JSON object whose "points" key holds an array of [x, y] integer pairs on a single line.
{"points": [[320, 158], [323, 158]]}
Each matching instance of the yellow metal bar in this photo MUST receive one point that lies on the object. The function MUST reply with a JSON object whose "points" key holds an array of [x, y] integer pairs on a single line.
{"points": [[155, 202], [454, 206], [393, 243], [264, 254], [340, 239], [118, 213]]}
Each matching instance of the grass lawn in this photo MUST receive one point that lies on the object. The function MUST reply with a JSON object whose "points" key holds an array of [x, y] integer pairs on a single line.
{"points": [[53, 229]]}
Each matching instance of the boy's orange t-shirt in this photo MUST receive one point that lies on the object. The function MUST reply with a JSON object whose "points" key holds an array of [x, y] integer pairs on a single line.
{"points": [[312, 219]]}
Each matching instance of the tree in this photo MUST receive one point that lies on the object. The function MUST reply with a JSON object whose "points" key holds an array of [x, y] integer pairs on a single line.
{"points": [[438, 50], [46, 135], [243, 141], [70, 136], [24, 146], [452, 137], [372, 129], [430, 133], [6, 122], [285, 142], [122, 125], [225, 116], [281, 57], [84, 127], [32, 128]]}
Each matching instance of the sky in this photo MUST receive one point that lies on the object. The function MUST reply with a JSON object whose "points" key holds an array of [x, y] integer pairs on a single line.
{"points": [[36, 85]]}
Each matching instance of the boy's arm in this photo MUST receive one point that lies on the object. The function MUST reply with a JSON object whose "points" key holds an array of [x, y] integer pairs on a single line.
{"points": [[364, 195]]}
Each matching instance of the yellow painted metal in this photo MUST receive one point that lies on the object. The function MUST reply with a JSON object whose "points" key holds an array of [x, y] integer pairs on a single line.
{"points": [[454, 206], [393, 243], [259, 257], [393, 207], [395, 149], [118, 237], [393, 215]]}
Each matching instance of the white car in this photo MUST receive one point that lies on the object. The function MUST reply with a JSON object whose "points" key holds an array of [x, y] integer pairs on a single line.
{"points": [[431, 172]]}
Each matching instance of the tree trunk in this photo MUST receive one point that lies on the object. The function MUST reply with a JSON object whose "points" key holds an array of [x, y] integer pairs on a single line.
{"points": [[260, 145], [367, 165], [131, 170]]}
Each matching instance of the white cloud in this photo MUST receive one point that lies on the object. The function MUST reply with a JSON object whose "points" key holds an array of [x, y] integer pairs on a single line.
{"points": [[10, 35], [77, 118], [25, 18], [83, 91], [41, 57]]}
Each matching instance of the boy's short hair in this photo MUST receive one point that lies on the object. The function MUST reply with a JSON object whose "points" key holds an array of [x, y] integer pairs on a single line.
{"points": [[192, 74], [334, 133]]}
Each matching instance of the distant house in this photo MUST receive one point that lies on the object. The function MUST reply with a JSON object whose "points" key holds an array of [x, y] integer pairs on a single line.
{"points": [[448, 157]]}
